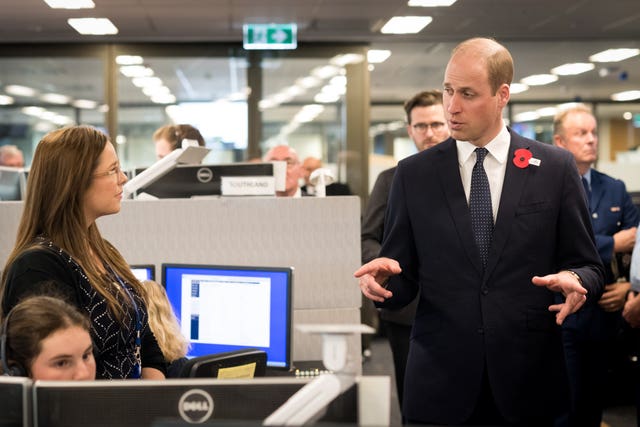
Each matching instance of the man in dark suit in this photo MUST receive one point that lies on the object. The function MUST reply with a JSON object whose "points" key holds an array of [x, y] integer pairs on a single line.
{"points": [[426, 126], [489, 226], [591, 336]]}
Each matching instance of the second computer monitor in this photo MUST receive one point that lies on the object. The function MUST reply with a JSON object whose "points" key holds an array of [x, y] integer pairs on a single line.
{"points": [[226, 308]]}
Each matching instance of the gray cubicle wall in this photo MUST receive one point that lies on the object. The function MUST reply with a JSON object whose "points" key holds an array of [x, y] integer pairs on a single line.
{"points": [[319, 237]]}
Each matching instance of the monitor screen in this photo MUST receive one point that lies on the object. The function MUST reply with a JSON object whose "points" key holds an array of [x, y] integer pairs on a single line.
{"points": [[227, 308], [15, 401], [13, 183], [185, 181], [144, 272]]}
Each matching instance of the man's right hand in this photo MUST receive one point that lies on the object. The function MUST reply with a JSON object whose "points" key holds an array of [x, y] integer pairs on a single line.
{"points": [[374, 274]]}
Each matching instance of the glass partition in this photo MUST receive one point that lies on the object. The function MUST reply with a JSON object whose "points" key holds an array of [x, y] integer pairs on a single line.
{"points": [[40, 94]]}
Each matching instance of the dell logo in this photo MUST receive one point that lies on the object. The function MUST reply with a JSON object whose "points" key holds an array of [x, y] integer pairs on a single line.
{"points": [[204, 175], [195, 406]]}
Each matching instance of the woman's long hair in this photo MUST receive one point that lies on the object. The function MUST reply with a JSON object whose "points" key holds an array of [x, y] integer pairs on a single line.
{"points": [[63, 166]]}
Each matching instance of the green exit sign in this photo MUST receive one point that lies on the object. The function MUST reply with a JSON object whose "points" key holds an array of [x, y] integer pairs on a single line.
{"points": [[270, 36]]}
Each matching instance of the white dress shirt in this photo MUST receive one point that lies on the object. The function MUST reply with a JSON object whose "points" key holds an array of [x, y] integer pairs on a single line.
{"points": [[495, 165]]}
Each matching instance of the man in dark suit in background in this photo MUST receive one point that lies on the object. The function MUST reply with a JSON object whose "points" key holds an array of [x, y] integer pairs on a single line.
{"points": [[592, 336], [489, 226], [426, 126]]}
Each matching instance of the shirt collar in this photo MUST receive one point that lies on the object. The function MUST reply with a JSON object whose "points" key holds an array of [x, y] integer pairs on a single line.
{"points": [[498, 147], [587, 176]]}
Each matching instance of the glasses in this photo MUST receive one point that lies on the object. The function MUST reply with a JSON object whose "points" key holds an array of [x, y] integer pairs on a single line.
{"points": [[422, 127], [116, 170]]}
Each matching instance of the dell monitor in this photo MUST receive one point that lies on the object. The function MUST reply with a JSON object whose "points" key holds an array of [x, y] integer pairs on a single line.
{"points": [[227, 308], [125, 403], [13, 183], [144, 272], [186, 181]]}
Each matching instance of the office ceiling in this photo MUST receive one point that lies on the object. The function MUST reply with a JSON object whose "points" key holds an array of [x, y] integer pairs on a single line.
{"points": [[541, 34]]}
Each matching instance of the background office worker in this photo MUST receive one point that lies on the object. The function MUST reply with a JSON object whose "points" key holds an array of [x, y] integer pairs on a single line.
{"points": [[76, 178], [485, 347], [45, 338], [426, 126], [591, 337], [10, 155], [169, 137], [294, 170]]}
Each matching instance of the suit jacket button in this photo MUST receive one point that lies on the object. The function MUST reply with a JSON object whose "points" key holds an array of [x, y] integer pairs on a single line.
{"points": [[484, 290], [481, 331]]}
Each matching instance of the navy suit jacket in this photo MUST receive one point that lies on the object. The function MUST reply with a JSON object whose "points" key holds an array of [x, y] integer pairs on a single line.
{"points": [[611, 210], [468, 320]]}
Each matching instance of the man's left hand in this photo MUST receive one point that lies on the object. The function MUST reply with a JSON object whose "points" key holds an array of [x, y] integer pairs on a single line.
{"points": [[573, 291]]}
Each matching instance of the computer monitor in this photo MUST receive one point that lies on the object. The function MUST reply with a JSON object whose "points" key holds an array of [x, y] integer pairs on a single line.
{"points": [[13, 183], [144, 271], [245, 363], [185, 181], [15, 401], [126, 403], [226, 308]]}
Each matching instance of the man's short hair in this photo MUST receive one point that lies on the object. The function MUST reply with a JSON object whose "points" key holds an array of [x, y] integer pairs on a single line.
{"points": [[560, 117], [426, 98]]}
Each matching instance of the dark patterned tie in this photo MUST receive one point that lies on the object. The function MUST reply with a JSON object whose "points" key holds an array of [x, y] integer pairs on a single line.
{"points": [[480, 206], [587, 190]]}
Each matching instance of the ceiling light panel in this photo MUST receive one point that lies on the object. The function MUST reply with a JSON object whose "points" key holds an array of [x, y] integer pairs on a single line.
{"points": [[93, 26], [406, 24], [70, 4]]}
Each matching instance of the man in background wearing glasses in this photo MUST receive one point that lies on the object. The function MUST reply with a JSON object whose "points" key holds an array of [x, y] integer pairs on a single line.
{"points": [[426, 126]]}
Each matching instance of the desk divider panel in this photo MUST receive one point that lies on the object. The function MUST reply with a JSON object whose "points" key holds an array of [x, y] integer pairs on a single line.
{"points": [[319, 237]]}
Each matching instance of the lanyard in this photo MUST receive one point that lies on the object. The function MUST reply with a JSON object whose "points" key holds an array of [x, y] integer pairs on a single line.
{"points": [[137, 369]]}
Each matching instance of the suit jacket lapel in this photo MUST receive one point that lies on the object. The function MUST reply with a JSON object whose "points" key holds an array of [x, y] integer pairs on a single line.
{"points": [[597, 191], [514, 182], [451, 184]]}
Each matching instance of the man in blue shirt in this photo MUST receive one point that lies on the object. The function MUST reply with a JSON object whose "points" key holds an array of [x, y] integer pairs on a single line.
{"points": [[589, 336]]}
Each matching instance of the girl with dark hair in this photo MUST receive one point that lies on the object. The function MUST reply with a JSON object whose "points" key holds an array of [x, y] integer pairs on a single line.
{"points": [[45, 338]]}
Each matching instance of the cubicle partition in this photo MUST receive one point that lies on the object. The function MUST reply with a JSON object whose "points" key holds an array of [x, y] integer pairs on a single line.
{"points": [[319, 237]]}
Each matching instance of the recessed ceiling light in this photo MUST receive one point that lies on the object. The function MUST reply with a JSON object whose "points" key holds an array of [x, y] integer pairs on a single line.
{"points": [[70, 4], [55, 98], [628, 95], [346, 59], [517, 88], [6, 100], [376, 56], [547, 111], [136, 71], [93, 26], [405, 24], [573, 68], [527, 116], [539, 79], [86, 104], [18, 90], [614, 55], [431, 3], [163, 99], [129, 60]]}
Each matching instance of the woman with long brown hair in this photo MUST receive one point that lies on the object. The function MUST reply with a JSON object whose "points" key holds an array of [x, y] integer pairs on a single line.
{"points": [[75, 178]]}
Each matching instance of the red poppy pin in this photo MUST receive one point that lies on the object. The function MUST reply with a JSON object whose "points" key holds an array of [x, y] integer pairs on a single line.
{"points": [[523, 158]]}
